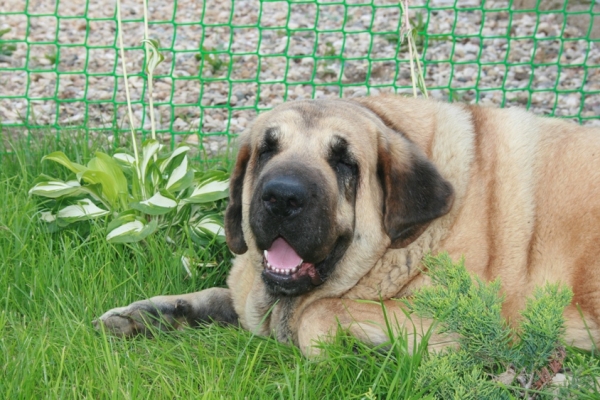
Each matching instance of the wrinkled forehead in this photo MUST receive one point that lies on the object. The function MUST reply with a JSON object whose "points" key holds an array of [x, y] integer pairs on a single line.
{"points": [[316, 124]]}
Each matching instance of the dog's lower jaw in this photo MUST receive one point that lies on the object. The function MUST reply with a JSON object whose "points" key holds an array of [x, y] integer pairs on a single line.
{"points": [[312, 278], [281, 287]]}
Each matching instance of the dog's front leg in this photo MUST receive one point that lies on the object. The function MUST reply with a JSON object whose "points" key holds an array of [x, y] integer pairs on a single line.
{"points": [[371, 322], [170, 312]]}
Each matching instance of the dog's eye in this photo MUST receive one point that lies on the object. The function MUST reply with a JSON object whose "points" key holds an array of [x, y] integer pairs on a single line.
{"points": [[265, 153], [343, 164], [340, 158], [343, 167], [269, 146], [346, 172]]}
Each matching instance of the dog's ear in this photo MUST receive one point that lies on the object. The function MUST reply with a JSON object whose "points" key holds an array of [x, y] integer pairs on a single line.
{"points": [[414, 191], [233, 215]]}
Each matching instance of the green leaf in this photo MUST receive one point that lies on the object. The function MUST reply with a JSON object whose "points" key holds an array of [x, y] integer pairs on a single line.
{"points": [[209, 191], [83, 210], [130, 232], [127, 228], [177, 152], [208, 230], [61, 158], [105, 163], [180, 178], [124, 158], [149, 149], [159, 204], [184, 183], [212, 175], [154, 178], [122, 218], [47, 216], [210, 227], [95, 191], [56, 188], [109, 189], [153, 56]]}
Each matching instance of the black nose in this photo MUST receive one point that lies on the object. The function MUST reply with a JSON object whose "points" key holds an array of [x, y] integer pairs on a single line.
{"points": [[284, 196]]}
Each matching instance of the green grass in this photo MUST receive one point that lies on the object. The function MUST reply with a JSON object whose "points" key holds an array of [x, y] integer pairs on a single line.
{"points": [[52, 285]]}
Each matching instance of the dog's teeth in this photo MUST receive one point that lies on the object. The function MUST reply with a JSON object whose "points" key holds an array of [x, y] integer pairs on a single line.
{"points": [[265, 254], [269, 266]]}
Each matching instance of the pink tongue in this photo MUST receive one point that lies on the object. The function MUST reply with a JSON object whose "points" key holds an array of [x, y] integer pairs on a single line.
{"points": [[282, 256]]}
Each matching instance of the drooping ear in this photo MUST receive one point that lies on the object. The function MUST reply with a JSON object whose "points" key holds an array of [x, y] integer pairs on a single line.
{"points": [[233, 214], [414, 191]]}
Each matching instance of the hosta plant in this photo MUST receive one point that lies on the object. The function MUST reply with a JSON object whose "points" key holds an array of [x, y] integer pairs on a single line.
{"points": [[136, 197]]}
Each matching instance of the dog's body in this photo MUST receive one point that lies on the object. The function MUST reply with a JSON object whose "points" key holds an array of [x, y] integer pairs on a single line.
{"points": [[333, 201]]}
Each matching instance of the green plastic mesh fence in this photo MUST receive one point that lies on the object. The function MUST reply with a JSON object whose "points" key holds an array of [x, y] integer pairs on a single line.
{"points": [[227, 60]]}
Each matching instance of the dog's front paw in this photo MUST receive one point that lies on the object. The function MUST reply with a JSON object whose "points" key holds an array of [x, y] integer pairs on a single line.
{"points": [[166, 313], [137, 317], [119, 321]]}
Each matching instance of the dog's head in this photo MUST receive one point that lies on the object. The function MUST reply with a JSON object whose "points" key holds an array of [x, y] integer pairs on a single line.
{"points": [[319, 182]]}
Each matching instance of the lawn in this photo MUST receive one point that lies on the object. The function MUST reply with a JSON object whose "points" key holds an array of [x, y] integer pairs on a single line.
{"points": [[52, 285]]}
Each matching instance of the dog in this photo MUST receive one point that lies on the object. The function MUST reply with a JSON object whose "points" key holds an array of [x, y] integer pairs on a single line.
{"points": [[336, 201]]}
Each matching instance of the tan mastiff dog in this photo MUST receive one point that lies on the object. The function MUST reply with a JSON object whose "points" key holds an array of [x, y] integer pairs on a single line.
{"points": [[337, 200]]}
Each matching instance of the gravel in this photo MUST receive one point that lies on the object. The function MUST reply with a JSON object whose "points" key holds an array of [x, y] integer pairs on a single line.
{"points": [[531, 67]]}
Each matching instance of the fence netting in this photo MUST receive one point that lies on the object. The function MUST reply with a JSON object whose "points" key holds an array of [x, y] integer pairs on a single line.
{"points": [[227, 60]]}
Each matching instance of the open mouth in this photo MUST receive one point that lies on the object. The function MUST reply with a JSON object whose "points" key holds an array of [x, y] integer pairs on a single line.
{"points": [[286, 272], [283, 265]]}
